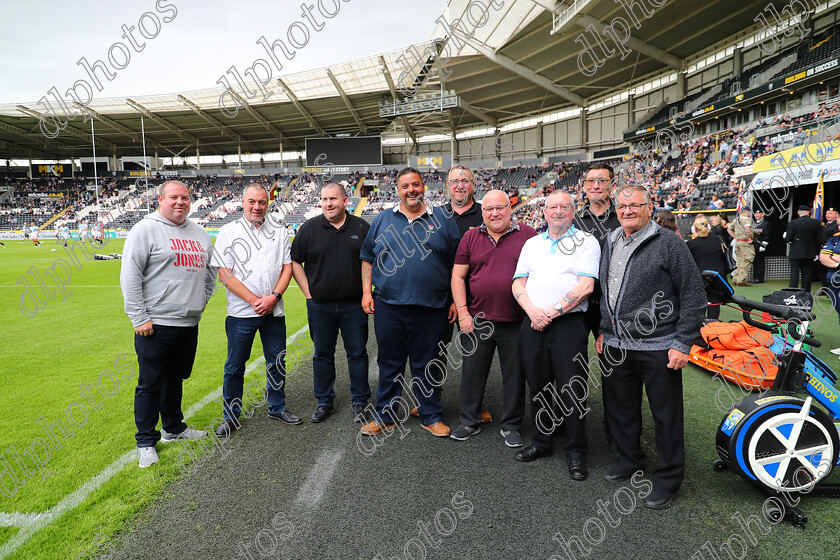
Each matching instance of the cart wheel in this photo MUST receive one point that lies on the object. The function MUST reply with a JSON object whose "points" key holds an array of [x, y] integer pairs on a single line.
{"points": [[774, 513], [719, 466], [790, 450]]}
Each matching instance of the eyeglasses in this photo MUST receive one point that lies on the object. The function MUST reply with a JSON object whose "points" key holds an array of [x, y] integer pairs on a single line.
{"points": [[563, 207], [491, 209], [599, 180], [464, 182], [633, 207]]}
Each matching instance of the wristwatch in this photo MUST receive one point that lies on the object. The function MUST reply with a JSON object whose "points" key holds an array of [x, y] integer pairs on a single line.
{"points": [[559, 307], [277, 295]]}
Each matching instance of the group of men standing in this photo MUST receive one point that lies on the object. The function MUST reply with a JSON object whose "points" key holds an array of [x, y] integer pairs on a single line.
{"points": [[419, 270]]}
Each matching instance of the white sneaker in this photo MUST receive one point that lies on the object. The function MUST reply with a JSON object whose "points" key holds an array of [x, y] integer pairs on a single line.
{"points": [[189, 433], [836, 351], [148, 457]]}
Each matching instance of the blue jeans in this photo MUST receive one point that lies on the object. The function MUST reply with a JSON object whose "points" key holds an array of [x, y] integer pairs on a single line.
{"points": [[409, 332], [165, 359], [240, 335], [326, 319]]}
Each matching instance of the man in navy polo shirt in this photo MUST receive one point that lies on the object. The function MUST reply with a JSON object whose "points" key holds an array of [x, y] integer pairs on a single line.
{"points": [[487, 258], [408, 256], [325, 264], [555, 274]]}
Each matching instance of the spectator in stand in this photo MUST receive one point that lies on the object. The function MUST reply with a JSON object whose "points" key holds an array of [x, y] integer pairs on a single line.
{"points": [[708, 254], [715, 203]]}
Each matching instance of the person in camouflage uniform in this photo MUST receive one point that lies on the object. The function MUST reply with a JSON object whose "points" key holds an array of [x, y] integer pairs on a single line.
{"points": [[742, 229]]}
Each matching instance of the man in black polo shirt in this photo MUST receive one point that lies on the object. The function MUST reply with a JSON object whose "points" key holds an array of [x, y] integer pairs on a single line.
{"points": [[462, 205], [599, 218], [325, 264]]}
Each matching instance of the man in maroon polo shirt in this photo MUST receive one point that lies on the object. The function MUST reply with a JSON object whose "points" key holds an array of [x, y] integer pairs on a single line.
{"points": [[489, 317]]}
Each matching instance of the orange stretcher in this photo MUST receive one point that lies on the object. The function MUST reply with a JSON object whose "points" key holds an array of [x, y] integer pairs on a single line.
{"points": [[741, 354]]}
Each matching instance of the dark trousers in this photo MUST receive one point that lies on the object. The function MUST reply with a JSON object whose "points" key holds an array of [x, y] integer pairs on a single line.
{"points": [[758, 266], [476, 368], [165, 359], [593, 323], [805, 267], [664, 391], [558, 356], [240, 336], [408, 332], [326, 319]]}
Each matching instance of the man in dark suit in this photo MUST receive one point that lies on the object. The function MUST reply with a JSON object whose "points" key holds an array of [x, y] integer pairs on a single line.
{"points": [[761, 229], [828, 231], [803, 234]]}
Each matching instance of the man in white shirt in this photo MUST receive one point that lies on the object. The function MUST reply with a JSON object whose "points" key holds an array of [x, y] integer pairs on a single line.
{"points": [[255, 265], [554, 276]]}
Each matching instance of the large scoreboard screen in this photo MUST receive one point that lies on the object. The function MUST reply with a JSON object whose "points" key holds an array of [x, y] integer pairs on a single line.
{"points": [[359, 150]]}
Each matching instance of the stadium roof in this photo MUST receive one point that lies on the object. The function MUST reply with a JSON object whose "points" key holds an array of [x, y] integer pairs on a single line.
{"points": [[521, 63]]}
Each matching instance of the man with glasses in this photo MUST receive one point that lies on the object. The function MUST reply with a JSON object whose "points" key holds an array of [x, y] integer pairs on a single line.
{"points": [[554, 276], [599, 218], [652, 309], [462, 205], [486, 259]]}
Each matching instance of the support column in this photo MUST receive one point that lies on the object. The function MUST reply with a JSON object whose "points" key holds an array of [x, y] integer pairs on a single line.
{"points": [[584, 129], [239, 153], [453, 148], [197, 158], [281, 155], [680, 85], [157, 163], [631, 109], [539, 139], [737, 61]]}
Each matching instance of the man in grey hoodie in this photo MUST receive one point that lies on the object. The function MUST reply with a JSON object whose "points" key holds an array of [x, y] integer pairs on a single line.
{"points": [[652, 308], [166, 280]]}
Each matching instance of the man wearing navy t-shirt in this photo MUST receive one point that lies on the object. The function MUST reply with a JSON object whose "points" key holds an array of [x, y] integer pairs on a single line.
{"points": [[407, 260]]}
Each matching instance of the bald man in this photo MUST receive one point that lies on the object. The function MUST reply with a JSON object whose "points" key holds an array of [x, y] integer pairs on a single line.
{"points": [[486, 259]]}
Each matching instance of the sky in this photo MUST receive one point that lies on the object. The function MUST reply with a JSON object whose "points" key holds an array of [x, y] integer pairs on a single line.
{"points": [[42, 41]]}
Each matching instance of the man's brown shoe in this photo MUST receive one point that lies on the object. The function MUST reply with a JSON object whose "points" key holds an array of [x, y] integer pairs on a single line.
{"points": [[374, 428], [438, 429]]}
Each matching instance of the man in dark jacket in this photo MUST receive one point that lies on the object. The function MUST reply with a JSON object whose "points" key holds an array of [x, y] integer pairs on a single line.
{"points": [[652, 307], [599, 218], [803, 234], [828, 231]]}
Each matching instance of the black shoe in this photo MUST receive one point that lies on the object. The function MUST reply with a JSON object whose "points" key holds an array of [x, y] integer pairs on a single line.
{"points": [[359, 415], [286, 417], [226, 427], [577, 469], [617, 474], [532, 453], [659, 499], [321, 414]]}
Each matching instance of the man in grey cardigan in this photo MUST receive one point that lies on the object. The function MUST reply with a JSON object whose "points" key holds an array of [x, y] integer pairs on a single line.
{"points": [[166, 280], [652, 309]]}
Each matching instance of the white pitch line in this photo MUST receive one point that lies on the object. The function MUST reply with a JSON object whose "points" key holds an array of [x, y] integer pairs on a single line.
{"points": [[319, 478], [42, 520], [18, 519]]}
